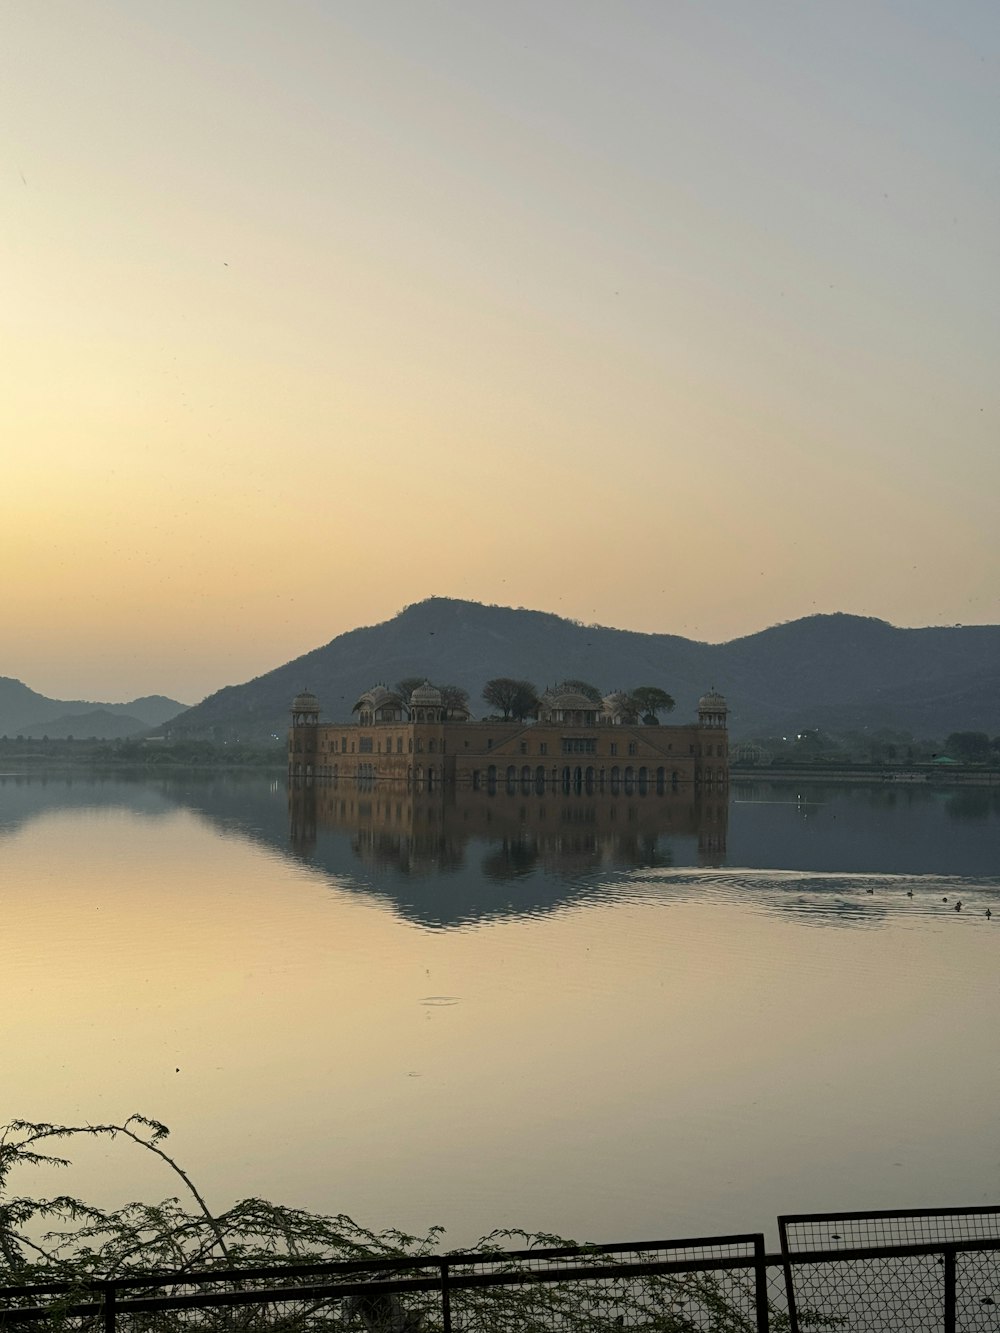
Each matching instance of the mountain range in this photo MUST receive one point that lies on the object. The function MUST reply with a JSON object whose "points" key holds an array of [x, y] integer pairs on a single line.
{"points": [[25, 713], [838, 672]]}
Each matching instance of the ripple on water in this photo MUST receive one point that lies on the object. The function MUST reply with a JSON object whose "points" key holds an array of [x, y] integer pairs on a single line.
{"points": [[819, 897]]}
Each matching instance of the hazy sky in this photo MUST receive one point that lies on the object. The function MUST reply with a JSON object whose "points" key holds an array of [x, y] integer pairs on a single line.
{"points": [[671, 316]]}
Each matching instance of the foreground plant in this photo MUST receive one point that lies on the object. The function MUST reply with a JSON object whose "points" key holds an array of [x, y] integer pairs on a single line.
{"points": [[66, 1240]]}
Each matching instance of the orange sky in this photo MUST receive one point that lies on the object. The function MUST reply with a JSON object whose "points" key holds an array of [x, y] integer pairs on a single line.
{"points": [[669, 317]]}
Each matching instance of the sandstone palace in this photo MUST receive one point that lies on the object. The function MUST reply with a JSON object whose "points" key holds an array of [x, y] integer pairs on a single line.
{"points": [[575, 743]]}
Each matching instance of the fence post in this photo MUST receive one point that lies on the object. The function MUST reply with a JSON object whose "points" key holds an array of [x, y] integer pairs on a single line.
{"points": [[108, 1298], [760, 1276], [793, 1314], [949, 1290], [445, 1297]]}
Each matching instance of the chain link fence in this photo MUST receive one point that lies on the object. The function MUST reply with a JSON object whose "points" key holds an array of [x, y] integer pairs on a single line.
{"points": [[904, 1270]]}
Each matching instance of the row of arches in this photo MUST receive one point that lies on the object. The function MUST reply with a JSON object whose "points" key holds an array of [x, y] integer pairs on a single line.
{"points": [[570, 778], [578, 779]]}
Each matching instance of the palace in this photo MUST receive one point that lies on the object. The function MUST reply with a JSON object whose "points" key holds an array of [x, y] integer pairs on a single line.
{"points": [[575, 744]]}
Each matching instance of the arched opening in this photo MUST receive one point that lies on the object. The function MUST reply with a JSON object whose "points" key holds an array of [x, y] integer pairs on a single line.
{"points": [[643, 781], [660, 780]]}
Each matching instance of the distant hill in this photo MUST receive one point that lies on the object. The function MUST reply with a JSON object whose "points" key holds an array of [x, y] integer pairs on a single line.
{"points": [[837, 671], [97, 724], [25, 713]]}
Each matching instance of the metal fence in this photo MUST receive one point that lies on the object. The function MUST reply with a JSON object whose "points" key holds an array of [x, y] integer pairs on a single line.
{"points": [[903, 1269], [891, 1272]]}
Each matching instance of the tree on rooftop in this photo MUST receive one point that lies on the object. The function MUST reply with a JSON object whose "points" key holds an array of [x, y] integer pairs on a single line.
{"points": [[454, 698], [623, 703], [649, 700], [516, 699]]}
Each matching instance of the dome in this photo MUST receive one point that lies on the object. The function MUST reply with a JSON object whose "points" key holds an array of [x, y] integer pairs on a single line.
{"points": [[305, 702], [426, 696], [713, 702]]}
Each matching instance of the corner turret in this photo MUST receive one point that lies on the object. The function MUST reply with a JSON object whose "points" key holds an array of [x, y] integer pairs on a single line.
{"points": [[712, 710], [304, 736]]}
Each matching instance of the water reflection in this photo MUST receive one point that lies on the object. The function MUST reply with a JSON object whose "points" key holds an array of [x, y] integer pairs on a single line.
{"points": [[823, 853], [506, 835]]}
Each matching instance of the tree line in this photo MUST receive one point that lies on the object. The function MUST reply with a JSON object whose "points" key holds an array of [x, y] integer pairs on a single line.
{"points": [[882, 745]]}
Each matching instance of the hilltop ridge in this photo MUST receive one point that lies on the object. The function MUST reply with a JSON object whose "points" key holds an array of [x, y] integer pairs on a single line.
{"points": [[832, 669]]}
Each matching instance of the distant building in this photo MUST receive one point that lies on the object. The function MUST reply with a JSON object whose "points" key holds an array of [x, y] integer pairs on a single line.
{"points": [[576, 744]]}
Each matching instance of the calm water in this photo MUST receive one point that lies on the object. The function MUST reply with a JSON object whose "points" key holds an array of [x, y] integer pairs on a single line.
{"points": [[611, 1018]]}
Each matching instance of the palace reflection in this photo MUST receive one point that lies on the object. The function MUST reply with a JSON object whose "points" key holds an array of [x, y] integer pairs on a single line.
{"points": [[518, 828]]}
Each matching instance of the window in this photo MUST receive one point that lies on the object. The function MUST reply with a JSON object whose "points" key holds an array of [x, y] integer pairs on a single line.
{"points": [[343, 745], [543, 747], [633, 748], [524, 747], [399, 745], [614, 747], [579, 745], [365, 745], [420, 746]]}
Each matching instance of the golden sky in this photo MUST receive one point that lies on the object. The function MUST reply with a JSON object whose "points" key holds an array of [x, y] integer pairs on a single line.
{"points": [[673, 317]]}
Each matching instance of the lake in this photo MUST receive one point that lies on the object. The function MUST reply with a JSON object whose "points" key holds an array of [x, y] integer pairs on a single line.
{"points": [[612, 1018]]}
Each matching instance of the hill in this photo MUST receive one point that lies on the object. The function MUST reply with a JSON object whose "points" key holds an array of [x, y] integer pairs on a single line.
{"points": [[836, 671], [25, 713], [96, 724]]}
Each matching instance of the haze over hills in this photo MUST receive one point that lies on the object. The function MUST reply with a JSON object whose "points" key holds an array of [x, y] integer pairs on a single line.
{"points": [[23, 712], [836, 671]]}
